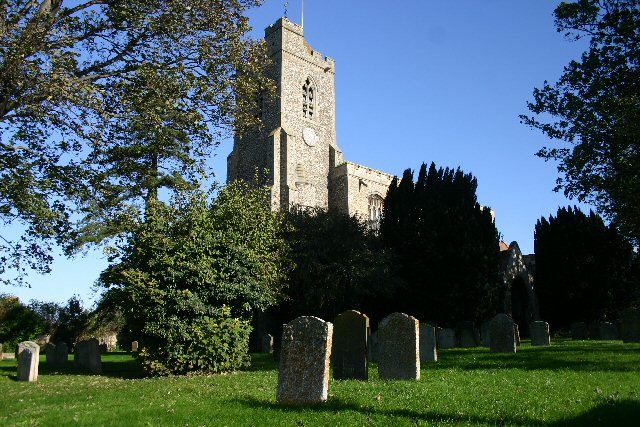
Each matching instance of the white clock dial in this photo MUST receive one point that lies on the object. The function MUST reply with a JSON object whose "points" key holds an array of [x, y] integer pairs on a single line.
{"points": [[309, 136]]}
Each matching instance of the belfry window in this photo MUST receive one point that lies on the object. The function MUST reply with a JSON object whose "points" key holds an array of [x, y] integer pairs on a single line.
{"points": [[375, 211], [308, 99]]}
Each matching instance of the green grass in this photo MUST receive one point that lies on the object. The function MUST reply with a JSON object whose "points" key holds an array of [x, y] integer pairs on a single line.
{"points": [[570, 383]]}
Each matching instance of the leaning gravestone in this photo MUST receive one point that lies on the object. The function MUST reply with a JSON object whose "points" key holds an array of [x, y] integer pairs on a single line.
{"points": [[540, 334], [28, 360], [579, 331], [349, 352], [446, 338], [607, 331], [57, 355], [503, 334], [87, 356], [266, 344], [467, 335], [399, 348], [630, 325], [134, 346], [303, 377], [428, 352]]}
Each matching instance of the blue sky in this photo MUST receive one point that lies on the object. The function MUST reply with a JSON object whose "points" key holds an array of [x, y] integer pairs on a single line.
{"points": [[419, 80]]}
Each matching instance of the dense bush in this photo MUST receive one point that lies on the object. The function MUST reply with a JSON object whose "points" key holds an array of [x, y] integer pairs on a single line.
{"points": [[65, 323], [584, 268], [18, 323], [445, 244], [188, 261]]}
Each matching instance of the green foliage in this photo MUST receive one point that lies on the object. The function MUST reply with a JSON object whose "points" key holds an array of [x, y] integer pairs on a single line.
{"points": [[65, 323], [186, 262], [446, 246], [338, 265], [584, 268], [18, 323], [103, 103], [593, 111]]}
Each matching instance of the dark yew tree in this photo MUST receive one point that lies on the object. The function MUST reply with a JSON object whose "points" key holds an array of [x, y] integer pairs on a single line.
{"points": [[593, 111], [445, 244], [584, 268]]}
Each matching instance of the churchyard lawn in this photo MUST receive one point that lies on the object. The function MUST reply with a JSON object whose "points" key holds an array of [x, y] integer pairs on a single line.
{"points": [[570, 383]]}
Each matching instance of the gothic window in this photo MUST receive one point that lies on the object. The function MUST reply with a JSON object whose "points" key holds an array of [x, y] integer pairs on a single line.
{"points": [[375, 211], [308, 99]]}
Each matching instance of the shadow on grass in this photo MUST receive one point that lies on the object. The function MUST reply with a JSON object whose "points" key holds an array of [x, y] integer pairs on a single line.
{"points": [[588, 357], [262, 362], [620, 413]]}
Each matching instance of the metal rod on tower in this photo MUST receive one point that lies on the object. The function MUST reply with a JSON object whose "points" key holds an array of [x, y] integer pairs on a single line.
{"points": [[303, 14]]}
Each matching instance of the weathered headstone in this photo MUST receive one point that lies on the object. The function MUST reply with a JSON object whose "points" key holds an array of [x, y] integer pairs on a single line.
{"points": [[607, 331], [57, 355], [468, 336], [540, 334], [399, 348], [516, 331], [428, 352], [266, 344], [28, 360], [485, 335], [446, 338], [503, 334], [87, 356], [349, 353], [579, 331], [303, 377], [630, 325], [134, 346]]}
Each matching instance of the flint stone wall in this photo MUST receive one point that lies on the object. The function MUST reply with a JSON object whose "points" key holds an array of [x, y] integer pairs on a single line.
{"points": [[303, 377], [399, 348]]}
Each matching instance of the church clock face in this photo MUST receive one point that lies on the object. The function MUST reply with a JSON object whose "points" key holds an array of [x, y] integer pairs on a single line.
{"points": [[310, 137]]}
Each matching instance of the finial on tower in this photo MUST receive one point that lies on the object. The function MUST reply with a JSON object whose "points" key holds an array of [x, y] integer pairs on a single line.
{"points": [[302, 14], [286, 9]]}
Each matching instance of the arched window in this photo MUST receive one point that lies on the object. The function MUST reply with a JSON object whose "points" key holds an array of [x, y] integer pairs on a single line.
{"points": [[375, 211], [308, 99]]}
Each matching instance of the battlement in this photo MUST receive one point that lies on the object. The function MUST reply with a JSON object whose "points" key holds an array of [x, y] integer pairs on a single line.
{"points": [[289, 37]]}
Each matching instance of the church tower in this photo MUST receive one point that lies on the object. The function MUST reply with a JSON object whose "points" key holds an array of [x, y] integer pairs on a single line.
{"points": [[297, 150]]}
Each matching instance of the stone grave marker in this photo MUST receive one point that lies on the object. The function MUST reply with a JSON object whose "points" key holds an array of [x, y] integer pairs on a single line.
{"points": [[87, 356], [467, 335], [503, 334], [266, 344], [349, 352], [540, 334], [57, 355], [516, 331], [373, 347], [484, 333], [579, 331], [303, 377], [399, 348], [607, 331], [134, 346], [446, 338], [630, 325], [28, 361], [428, 352]]}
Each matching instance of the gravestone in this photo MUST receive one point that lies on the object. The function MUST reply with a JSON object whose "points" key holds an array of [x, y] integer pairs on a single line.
{"points": [[540, 334], [266, 344], [485, 337], [516, 331], [607, 331], [399, 348], [134, 346], [349, 352], [503, 334], [468, 336], [630, 325], [579, 331], [303, 377], [87, 356], [1, 355], [446, 338], [373, 347], [28, 360], [57, 355], [428, 352]]}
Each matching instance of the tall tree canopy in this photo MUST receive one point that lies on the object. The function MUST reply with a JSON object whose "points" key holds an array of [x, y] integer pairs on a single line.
{"points": [[445, 243], [104, 102], [584, 268], [593, 111]]}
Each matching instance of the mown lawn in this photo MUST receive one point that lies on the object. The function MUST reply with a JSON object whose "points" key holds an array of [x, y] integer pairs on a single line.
{"points": [[570, 383]]}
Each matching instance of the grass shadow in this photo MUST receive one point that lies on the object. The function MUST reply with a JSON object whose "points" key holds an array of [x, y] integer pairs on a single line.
{"points": [[262, 362]]}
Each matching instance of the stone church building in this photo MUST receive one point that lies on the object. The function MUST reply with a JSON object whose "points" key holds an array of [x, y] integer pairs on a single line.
{"points": [[298, 148]]}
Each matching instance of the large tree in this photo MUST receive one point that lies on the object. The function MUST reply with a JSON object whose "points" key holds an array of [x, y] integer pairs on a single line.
{"points": [[593, 111], [446, 246], [104, 102], [584, 268]]}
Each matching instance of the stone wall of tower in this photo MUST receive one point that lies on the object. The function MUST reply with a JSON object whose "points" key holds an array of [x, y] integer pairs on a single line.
{"points": [[353, 185], [297, 171]]}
